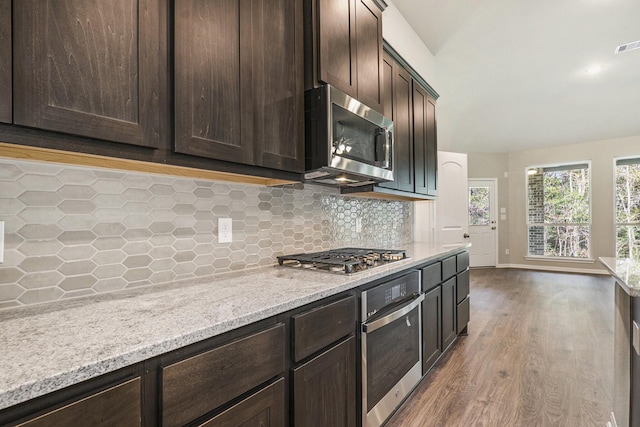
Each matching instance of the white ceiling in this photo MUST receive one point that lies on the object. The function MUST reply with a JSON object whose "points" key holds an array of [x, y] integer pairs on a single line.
{"points": [[511, 73]]}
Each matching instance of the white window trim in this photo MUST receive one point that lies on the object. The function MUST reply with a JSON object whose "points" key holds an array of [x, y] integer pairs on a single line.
{"points": [[560, 259]]}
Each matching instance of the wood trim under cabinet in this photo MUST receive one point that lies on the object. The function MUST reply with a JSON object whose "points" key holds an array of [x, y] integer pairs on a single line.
{"points": [[91, 160]]}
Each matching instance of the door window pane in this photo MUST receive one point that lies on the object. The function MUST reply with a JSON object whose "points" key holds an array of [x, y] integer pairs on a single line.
{"points": [[479, 206]]}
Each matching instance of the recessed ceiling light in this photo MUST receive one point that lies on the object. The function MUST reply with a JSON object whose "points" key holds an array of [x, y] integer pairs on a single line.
{"points": [[628, 46], [592, 70]]}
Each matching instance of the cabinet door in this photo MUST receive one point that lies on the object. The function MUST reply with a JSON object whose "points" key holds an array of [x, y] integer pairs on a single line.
{"points": [[368, 63], [420, 139], [98, 409], [325, 388], [264, 408], [388, 65], [462, 316], [5, 61], [402, 117], [239, 82], [89, 68], [212, 79], [337, 44], [432, 149], [431, 328], [462, 286], [277, 87], [449, 306]]}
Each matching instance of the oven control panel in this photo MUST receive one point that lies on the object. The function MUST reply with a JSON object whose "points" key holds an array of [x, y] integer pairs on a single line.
{"points": [[377, 298], [395, 292]]}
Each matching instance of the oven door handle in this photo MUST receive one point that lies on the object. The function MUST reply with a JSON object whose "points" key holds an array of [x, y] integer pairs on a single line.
{"points": [[383, 321]]}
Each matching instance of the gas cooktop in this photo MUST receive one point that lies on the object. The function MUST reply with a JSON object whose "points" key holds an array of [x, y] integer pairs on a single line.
{"points": [[345, 260]]}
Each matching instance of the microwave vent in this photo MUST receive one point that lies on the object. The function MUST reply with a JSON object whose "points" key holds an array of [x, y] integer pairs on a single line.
{"points": [[627, 47]]}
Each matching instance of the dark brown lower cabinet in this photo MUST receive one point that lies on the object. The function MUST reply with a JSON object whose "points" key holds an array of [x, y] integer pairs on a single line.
{"points": [[462, 316], [198, 385], [117, 406], [449, 306], [324, 388], [431, 328], [264, 408]]}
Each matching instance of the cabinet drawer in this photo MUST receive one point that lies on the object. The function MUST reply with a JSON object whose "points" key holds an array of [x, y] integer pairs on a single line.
{"points": [[116, 406], [321, 326], [263, 408], [462, 261], [431, 276], [448, 267], [462, 315], [462, 289], [195, 386]]}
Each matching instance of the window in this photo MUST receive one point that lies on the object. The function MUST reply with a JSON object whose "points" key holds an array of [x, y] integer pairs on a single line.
{"points": [[559, 213], [479, 207], [628, 208]]}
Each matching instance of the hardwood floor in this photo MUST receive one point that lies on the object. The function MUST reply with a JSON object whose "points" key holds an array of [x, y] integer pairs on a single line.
{"points": [[539, 353]]}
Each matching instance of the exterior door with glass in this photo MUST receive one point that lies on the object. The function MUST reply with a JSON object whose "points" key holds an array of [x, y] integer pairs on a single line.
{"points": [[483, 227]]}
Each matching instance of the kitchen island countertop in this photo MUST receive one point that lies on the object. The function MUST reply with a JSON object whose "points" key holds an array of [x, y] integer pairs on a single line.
{"points": [[51, 346], [626, 272]]}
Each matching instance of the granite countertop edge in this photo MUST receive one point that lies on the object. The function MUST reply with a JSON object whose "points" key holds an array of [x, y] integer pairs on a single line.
{"points": [[619, 268], [84, 352]]}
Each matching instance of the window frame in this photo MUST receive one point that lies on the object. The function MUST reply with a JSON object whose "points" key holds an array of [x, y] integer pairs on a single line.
{"points": [[616, 224], [589, 225]]}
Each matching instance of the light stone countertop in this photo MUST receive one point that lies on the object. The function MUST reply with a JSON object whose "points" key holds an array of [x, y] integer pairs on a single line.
{"points": [[51, 346], [626, 272]]}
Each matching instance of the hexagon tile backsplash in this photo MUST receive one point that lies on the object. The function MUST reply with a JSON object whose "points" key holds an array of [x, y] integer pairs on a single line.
{"points": [[73, 231]]}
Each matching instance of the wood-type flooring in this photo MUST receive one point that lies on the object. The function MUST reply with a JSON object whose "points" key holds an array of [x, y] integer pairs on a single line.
{"points": [[539, 353]]}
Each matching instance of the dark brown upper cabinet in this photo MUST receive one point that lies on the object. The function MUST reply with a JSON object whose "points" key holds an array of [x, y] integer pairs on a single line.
{"points": [[424, 142], [344, 48], [5, 62], [239, 82], [89, 68], [413, 110], [403, 165]]}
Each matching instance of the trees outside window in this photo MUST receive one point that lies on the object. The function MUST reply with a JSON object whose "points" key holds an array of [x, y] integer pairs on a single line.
{"points": [[628, 208], [559, 211]]}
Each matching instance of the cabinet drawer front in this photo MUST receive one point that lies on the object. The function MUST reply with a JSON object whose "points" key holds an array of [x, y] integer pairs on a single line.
{"points": [[431, 276], [321, 326], [463, 315], [462, 261], [462, 289], [98, 409], [448, 267], [263, 408], [197, 385]]}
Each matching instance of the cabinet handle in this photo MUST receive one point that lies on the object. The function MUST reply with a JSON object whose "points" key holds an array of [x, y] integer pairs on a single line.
{"points": [[379, 323]]}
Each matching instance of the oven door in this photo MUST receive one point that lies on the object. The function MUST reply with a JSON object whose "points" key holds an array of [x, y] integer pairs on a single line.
{"points": [[391, 360]]}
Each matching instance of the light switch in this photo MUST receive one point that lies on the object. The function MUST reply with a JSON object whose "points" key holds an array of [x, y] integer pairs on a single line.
{"points": [[503, 217]]}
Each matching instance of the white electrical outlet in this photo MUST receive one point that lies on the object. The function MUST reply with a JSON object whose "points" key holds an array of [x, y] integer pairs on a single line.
{"points": [[225, 230], [358, 225], [1, 242], [506, 251]]}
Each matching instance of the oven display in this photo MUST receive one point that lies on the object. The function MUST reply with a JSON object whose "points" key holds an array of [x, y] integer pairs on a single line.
{"points": [[395, 292]]}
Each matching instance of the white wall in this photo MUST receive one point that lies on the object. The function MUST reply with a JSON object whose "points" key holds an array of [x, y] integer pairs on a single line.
{"points": [[601, 154], [399, 34]]}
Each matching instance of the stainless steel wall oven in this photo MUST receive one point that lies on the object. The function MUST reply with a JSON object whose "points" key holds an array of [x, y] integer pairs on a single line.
{"points": [[391, 348]]}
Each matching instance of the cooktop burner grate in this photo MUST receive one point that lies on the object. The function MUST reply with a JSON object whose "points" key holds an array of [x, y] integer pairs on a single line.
{"points": [[347, 260]]}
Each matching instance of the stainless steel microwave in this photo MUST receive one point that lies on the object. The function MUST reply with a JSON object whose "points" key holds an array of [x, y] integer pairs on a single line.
{"points": [[347, 143]]}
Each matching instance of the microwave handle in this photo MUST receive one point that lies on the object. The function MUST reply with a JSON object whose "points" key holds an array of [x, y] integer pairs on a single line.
{"points": [[383, 148]]}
